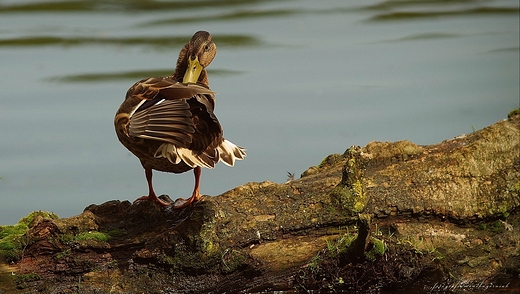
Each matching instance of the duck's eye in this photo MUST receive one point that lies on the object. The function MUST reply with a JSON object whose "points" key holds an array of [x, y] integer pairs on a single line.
{"points": [[206, 48]]}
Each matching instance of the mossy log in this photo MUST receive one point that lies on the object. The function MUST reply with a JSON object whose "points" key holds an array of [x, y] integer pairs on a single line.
{"points": [[262, 236]]}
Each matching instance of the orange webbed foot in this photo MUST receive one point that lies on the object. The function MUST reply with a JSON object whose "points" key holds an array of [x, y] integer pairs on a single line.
{"points": [[182, 203], [153, 198]]}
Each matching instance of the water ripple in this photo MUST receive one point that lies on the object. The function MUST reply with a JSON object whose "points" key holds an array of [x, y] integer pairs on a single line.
{"points": [[161, 41], [403, 15], [237, 15], [118, 6], [129, 75]]}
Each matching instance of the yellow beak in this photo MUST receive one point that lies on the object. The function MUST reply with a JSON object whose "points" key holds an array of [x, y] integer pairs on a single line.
{"points": [[193, 71]]}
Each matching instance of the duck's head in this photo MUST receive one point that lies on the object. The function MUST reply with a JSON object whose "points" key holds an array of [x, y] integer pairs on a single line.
{"points": [[200, 51]]}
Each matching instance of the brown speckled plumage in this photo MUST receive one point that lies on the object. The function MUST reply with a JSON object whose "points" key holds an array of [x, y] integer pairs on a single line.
{"points": [[169, 123]]}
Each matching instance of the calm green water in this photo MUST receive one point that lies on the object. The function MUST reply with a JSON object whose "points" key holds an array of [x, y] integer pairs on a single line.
{"points": [[297, 80]]}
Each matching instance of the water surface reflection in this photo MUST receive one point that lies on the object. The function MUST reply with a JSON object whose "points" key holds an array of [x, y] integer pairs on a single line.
{"points": [[297, 80]]}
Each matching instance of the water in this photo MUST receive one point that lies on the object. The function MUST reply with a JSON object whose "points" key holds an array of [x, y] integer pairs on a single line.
{"points": [[297, 80]]}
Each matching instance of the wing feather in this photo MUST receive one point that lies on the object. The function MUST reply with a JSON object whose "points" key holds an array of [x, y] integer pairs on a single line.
{"points": [[150, 88], [181, 116], [167, 121]]}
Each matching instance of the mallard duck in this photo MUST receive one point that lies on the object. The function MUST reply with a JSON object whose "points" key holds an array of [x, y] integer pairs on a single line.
{"points": [[169, 124]]}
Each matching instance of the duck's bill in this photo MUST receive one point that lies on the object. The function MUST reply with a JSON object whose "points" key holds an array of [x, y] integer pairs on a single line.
{"points": [[193, 71]]}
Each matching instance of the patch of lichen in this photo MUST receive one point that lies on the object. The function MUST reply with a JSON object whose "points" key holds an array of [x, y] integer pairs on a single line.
{"points": [[350, 194], [351, 199], [13, 238], [506, 204], [79, 223], [185, 259], [194, 246], [330, 160], [402, 150], [513, 113], [515, 190], [207, 239], [360, 196], [22, 280], [37, 216], [202, 250], [232, 260]]}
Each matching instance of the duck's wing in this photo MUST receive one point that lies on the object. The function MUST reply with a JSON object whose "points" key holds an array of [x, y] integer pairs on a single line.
{"points": [[164, 88], [178, 115], [163, 113]]}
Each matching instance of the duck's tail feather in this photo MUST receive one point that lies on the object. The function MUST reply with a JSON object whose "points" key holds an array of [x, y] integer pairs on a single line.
{"points": [[229, 152]]}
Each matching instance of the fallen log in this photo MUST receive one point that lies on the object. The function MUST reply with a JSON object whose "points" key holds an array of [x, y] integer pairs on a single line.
{"points": [[376, 216]]}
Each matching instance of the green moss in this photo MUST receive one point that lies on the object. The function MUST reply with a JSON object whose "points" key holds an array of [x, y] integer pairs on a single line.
{"points": [[420, 247], [314, 265], [92, 235], [66, 238], [517, 186], [341, 245], [63, 254], [330, 160], [350, 194], [378, 249], [208, 247], [11, 246], [323, 162], [379, 246], [197, 252], [29, 219], [516, 189], [352, 199], [22, 279], [116, 233], [12, 238], [496, 227], [18, 229], [482, 227], [360, 197], [232, 260], [166, 259]]}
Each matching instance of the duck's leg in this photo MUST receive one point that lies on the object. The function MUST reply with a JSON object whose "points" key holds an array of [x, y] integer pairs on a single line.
{"points": [[181, 203], [151, 194]]}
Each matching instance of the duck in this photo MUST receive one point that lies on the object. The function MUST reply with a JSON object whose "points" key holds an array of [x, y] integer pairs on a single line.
{"points": [[169, 123]]}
